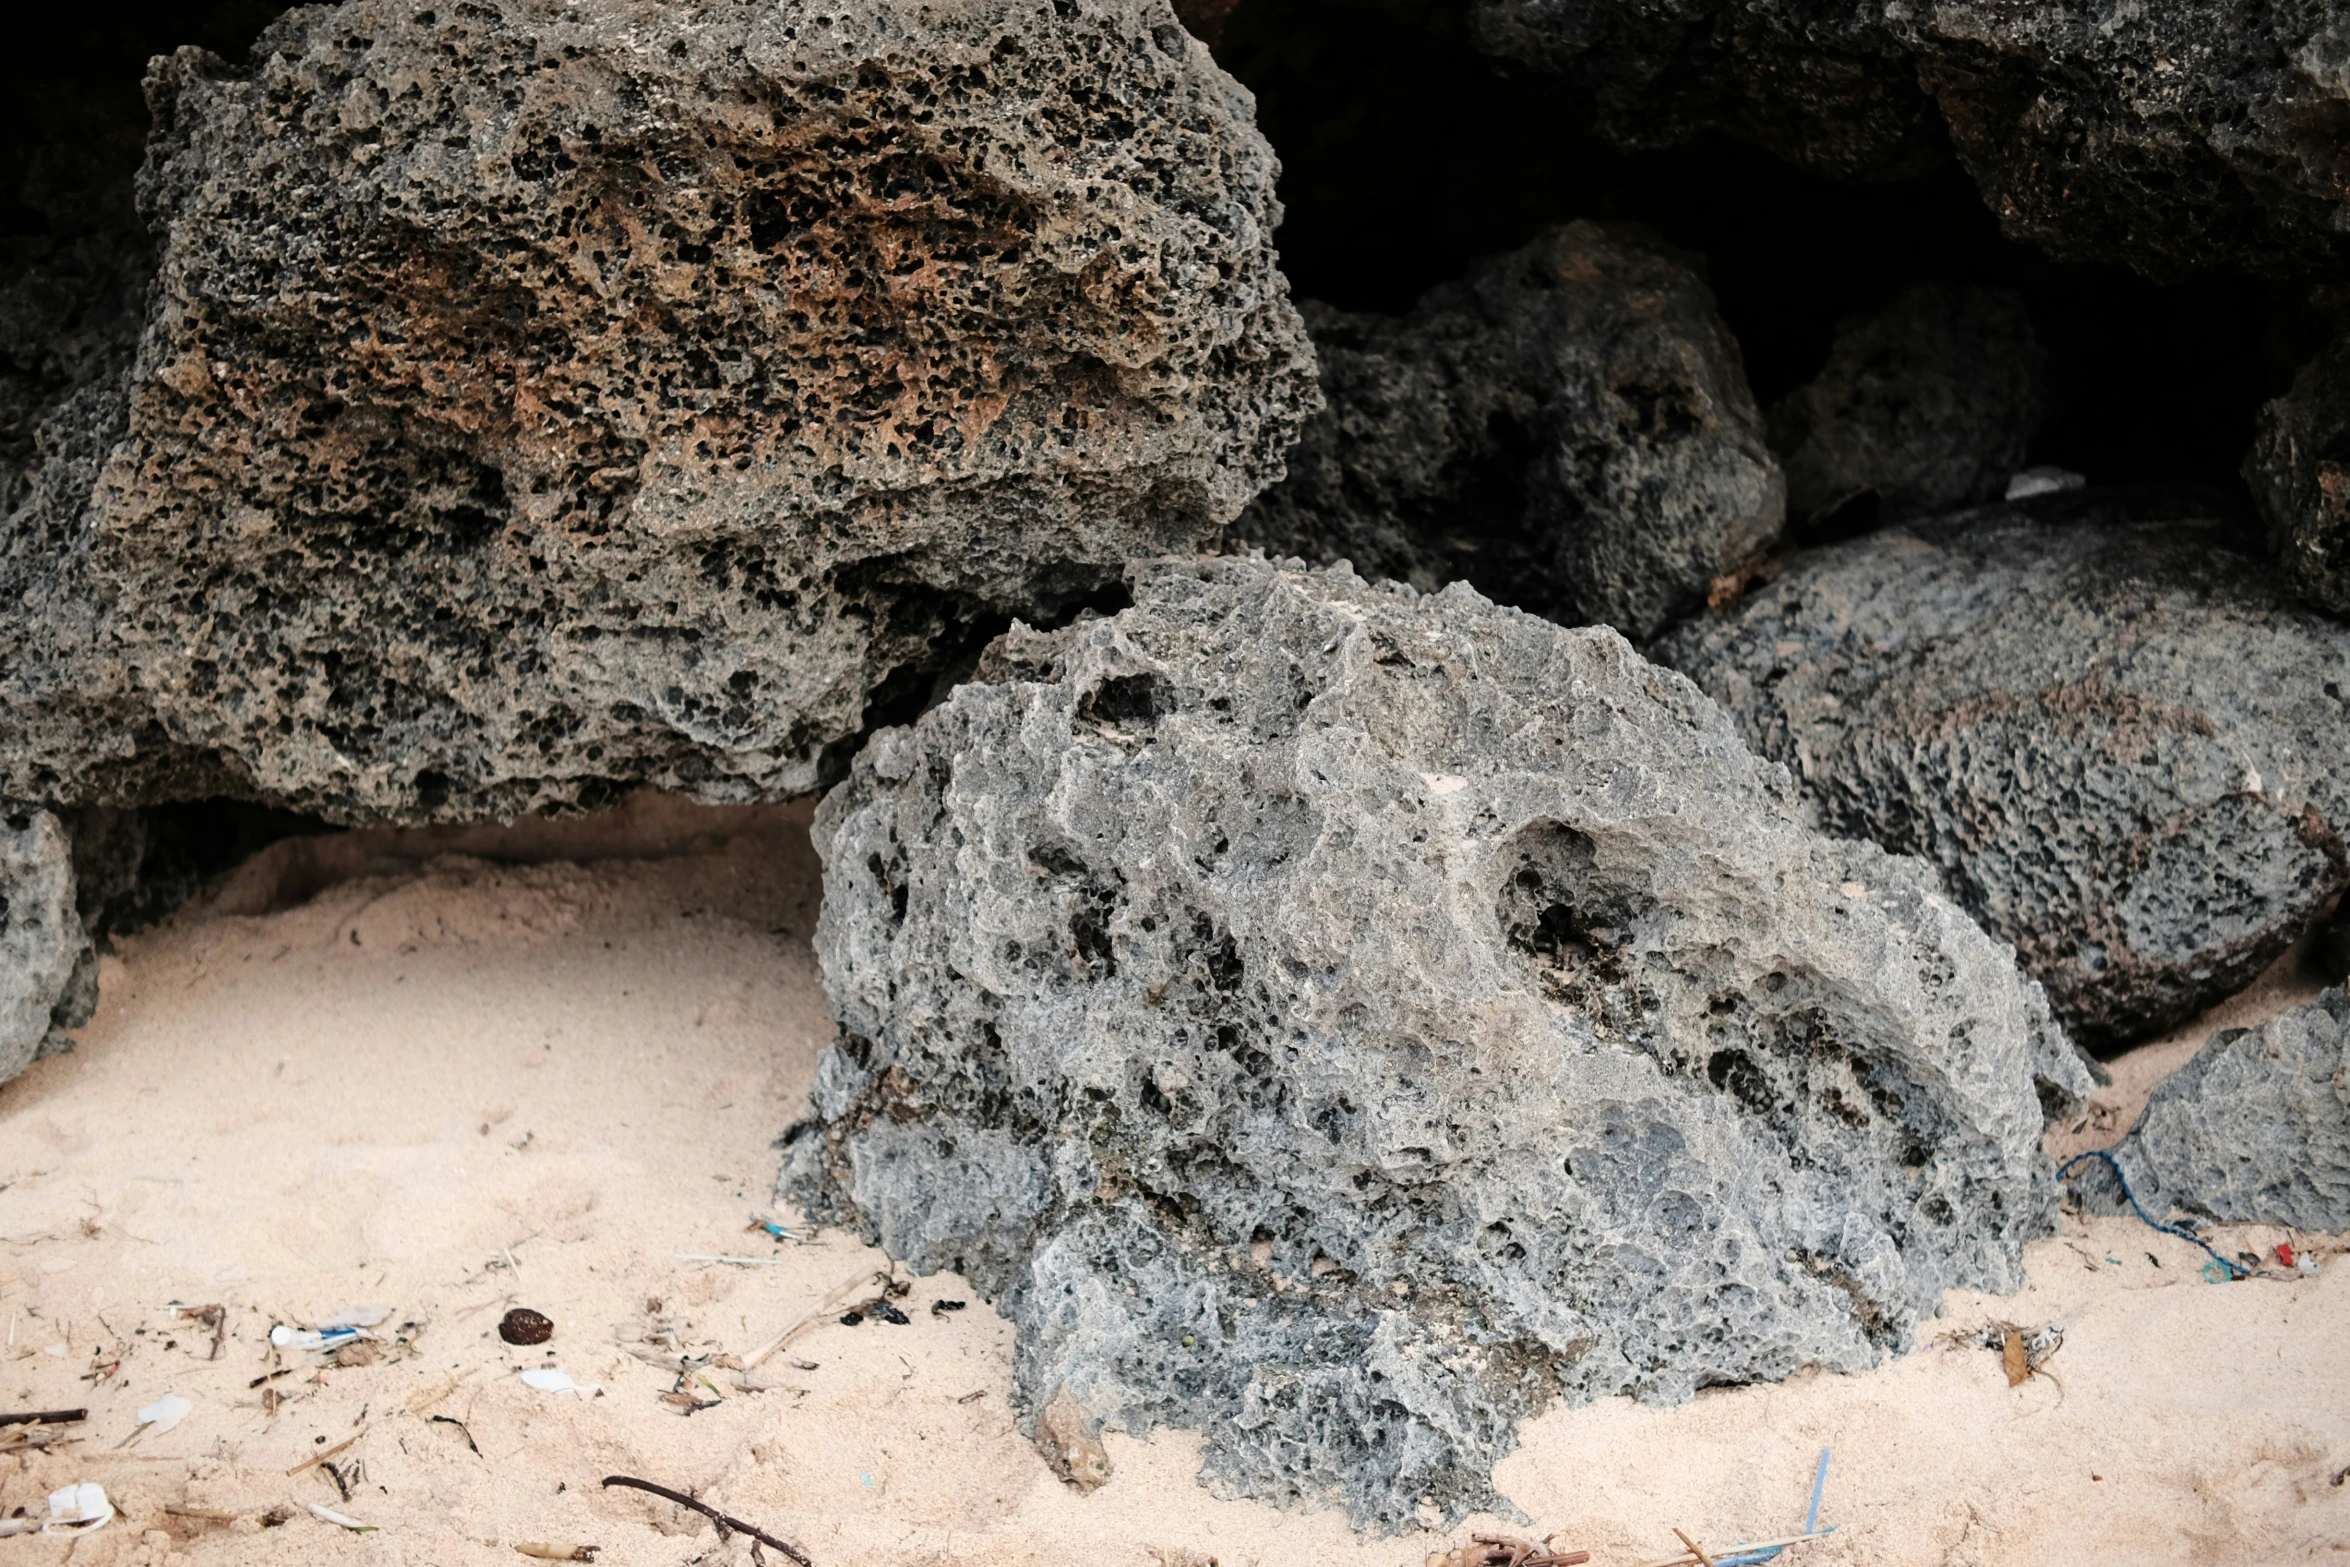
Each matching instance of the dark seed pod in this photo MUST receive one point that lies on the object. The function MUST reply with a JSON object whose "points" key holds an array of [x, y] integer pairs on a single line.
{"points": [[890, 1314], [525, 1326], [851, 1319]]}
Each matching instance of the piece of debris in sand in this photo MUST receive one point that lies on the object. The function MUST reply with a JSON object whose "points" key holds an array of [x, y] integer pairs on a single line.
{"points": [[725, 1522], [215, 1317], [1071, 1443], [42, 1417], [525, 1326], [340, 1520], [549, 1380], [1504, 1550], [558, 1553], [164, 1414], [78, 1509]]}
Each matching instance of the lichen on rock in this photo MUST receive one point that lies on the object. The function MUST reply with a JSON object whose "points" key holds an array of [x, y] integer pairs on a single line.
{"points": [[1347, 1020], [540, 400], [1567, 427], [2119, 739]]}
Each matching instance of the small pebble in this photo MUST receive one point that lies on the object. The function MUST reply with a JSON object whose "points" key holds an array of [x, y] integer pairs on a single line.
{"points": [[891, 1315], [525, 1326], [851, 1319]]}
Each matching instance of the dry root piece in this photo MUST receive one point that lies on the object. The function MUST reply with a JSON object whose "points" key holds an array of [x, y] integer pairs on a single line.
{"points": [[1508, 1550], [1071, 1443], [558, 1553]]}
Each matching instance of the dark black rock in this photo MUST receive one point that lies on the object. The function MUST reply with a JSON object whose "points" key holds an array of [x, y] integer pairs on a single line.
{"points": [[1568, 428], [1925, 405], [2299, 471], [2175, 137]]}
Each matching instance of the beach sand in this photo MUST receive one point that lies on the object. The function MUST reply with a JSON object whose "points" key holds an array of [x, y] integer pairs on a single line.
{"points": [[454, 1072]]}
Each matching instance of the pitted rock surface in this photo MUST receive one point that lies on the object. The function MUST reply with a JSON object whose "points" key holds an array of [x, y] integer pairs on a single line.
{"points": [[1926, 404], [2254, 1130], [2121, 742], [2299, 471], [1567, 428], [48, 972], [2175, 137], [537, 400], [1347, 1020]]}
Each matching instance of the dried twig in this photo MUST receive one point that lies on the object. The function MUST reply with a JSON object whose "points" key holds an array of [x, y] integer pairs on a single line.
{"points": [[1687, 1560], [1695, 1549], [723, 1522], [319, 1458], [816, 1314], [44, 1417]]}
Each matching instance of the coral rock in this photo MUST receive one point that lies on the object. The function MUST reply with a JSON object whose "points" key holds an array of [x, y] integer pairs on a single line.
{"points": [[539, 400], [2255, 1129], [1567, 428], [2121, 742], [1347, 1020], [48, 973]]}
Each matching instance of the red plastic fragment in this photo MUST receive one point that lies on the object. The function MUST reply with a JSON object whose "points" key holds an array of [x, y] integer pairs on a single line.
{"points": [[2285, 1253]]}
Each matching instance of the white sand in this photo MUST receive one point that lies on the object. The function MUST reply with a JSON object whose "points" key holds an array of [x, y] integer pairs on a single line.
{"points": [[383, 1094]]}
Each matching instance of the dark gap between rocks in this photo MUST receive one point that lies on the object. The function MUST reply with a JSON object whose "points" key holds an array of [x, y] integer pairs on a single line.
{"points": [[1406, 155]]}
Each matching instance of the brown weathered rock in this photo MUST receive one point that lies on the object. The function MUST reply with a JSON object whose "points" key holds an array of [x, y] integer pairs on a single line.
{"points": [[536, 401]]}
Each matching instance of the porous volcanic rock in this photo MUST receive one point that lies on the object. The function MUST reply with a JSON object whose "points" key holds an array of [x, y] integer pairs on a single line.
{"points": [[2175, 137], [1347, 1020], [2254, 1130], [1926, 404], [2121, 742], [48, 972], [2299, 471], [537, 400], [1568, 428]]}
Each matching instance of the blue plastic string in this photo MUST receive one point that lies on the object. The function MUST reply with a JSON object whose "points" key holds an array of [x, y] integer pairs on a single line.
{"points": [[1811, 1523], [2235, 1271]]}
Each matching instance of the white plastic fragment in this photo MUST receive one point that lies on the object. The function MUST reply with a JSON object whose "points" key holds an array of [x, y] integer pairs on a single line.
{"points": [[79, 1509], [549, 1380], [341, 1520], [166, 1412], [316, 1340], [2043, 479]]}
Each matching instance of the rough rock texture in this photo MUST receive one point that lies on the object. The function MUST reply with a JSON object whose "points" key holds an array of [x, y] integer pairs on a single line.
{"points": [[2299, 471], [1346, 1020], [541, 398], [1924, 405], [2122, 743], [1568, 428], [48, 974], [2177, 136], [2254, 1130]]}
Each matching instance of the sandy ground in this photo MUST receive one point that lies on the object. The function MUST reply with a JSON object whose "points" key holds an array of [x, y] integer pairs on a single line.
{"points": [[449, 1085]]}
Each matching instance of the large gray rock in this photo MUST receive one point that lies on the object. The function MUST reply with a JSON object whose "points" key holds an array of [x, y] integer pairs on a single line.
{"points": [[1347, 1020], [1568, 428], [2178, 136], [1926, 404], [538, 400], [48, 973], [2254, 1130], [2299, 471], [2121, 742]]}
